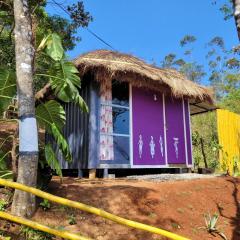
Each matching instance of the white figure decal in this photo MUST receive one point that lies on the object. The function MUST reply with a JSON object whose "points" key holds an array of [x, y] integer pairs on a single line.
{"points": [[176, 141], [140, 146], [152, 147], [161, 145]]}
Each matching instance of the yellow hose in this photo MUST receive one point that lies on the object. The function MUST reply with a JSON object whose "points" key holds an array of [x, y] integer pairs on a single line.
{"points": [[26, 222], [93, 210]]}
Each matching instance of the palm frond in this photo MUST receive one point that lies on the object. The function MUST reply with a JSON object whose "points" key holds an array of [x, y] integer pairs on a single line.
{"points": [[65, 82], [61, 142], [49, 113], [53, 46], [52, 160]]}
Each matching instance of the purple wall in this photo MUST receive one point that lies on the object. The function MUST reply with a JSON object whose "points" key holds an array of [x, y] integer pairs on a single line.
{"points": [[188, 133], [148, 130], [175, 131]]}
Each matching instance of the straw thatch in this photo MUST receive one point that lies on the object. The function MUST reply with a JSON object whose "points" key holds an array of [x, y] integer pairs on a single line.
{"points": [[108, 65]]}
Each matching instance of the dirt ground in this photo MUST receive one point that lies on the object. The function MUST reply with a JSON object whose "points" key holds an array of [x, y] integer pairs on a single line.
{"points": [[177, 206]]}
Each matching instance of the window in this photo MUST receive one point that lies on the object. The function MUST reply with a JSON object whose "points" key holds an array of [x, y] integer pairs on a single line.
{"points": [[114, 123]]}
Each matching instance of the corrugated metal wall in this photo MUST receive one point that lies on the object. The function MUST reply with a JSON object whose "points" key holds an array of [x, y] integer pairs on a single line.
{"points": [[81, 129], [229, 138]]}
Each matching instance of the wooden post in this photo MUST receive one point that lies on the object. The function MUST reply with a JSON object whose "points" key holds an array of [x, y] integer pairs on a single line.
{"points": [[92, 173], [80, 173], [105, 173]]}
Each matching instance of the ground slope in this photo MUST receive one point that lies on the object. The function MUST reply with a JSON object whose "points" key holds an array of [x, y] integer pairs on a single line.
{"points": [[177, 206]]}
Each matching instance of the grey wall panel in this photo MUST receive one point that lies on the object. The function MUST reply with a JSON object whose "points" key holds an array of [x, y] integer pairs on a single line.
{"points": [[94, 126], [81, 129]]}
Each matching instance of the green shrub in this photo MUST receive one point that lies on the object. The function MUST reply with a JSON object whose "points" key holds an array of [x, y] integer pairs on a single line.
{"points": [[30, 233], [3, 204], [45, 204]]}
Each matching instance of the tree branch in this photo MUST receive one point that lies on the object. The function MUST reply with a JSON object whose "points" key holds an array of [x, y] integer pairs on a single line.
{"points": [[41, 93]]}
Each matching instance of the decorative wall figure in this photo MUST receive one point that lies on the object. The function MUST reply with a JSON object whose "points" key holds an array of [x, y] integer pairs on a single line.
{"points": [[140, 145], [152, 147], [161, 145], [176, 141]]}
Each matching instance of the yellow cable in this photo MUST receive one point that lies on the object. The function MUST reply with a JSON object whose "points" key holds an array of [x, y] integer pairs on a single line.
{"points": [[92, 210], [29, 223]]}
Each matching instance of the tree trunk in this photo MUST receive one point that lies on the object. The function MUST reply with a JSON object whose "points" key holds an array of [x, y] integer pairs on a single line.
{"points": [[236, 6], [203, 153], [14, 154], [24, 204]]}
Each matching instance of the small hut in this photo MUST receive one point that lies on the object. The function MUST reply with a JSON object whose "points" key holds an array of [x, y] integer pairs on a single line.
{"points": [[139, 114]]}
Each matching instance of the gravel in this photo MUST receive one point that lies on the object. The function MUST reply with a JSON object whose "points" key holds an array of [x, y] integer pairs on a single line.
{"points": [[172, 177]]}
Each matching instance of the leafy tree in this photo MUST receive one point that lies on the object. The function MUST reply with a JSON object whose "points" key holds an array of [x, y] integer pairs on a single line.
{"points": [[222, 73], [230, 9], [193, 70], [187, 39], [224, 67], [65, 83], [205, 140], [51, 71], [42, 25], [231, 101]]}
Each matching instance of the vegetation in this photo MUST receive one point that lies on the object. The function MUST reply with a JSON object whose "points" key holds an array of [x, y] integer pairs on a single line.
{"points": [[222, 74], [45, 204], [3, 204], [72, 219], [52, 73], [30, 233], [211, 224]]}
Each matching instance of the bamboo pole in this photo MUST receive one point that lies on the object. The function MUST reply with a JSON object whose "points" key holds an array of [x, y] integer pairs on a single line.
{"points": [[92, 210], [29, 223]]}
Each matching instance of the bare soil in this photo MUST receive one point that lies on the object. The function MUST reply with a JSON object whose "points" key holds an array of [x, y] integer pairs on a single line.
{"points": [[177, 206]]}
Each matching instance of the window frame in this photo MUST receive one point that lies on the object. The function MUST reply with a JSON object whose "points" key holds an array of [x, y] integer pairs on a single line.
{"points": [[129, 135]]}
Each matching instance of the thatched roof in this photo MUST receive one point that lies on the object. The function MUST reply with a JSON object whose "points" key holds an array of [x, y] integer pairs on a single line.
{"points": [[107, 65]]}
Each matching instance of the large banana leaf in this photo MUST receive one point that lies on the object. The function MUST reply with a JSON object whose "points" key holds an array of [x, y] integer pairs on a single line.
{"points": [[53, 46], [65, 82], [7, 88], [63, 75], [52, 160], [64, 79], [61, 142], [51, 116], [49, 113]]}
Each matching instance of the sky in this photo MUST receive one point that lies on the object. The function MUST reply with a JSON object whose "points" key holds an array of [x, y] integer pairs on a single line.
{"points": [[151, 29]]}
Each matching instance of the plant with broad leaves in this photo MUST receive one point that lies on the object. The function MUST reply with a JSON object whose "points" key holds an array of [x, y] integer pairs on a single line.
{"points": [[3, 204], [45, 204], [62, 74], [211, 224], [63, 80]]}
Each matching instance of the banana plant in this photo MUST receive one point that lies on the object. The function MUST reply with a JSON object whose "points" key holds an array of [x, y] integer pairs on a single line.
{"points": [[62, 74], [62, 77]]}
